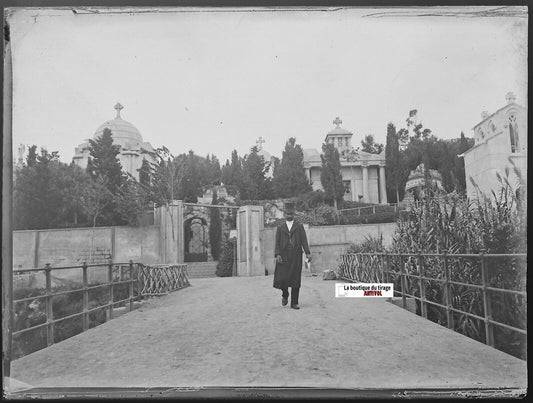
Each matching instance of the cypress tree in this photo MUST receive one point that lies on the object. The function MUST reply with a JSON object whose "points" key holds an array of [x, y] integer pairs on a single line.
{"points": [[330, 175], [215, 228], [289, 176]]}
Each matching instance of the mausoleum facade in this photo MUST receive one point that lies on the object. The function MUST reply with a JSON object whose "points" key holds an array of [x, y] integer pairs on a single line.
{"points": [[363, 174], [500, 142], [133, 150]]}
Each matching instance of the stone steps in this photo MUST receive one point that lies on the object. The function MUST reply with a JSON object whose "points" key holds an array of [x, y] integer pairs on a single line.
{"points": [[201, 269]]}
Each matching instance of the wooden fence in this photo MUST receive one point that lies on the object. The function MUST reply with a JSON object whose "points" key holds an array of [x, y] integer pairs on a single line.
{"points": [[162, 279], [409, 274], [150, 280]]}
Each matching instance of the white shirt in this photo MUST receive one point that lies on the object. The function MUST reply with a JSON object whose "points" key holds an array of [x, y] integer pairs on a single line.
{"points": [[289, 224]]}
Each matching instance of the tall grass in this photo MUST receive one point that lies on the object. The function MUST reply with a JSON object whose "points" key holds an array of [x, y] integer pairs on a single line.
{"points": [[490, 224]]}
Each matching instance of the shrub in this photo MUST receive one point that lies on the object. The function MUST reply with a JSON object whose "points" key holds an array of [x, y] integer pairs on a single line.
{"points": [[370, 244], [225, 264], [381, 217]]}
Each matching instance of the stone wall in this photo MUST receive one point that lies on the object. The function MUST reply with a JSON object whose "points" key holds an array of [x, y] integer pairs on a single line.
{"points": [[327, 243], [73, 246]]}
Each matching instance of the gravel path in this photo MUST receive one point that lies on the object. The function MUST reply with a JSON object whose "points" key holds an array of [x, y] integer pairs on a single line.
{"points": [[234, 332]]}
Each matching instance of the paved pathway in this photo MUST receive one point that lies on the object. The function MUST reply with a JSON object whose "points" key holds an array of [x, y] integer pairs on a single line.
{"points": [[234, 332]]}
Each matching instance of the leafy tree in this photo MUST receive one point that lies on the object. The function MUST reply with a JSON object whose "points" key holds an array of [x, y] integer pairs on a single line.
{"points": [[95, 198], [166, 176], [194, 177], [213, 174], [132, 200], [255, 184], [232, 174], [38, 194], [215, 228], [225, 173], [330, 175], [144, 173], [31, 158], [72, 180], [370, 146], [289, 177]]}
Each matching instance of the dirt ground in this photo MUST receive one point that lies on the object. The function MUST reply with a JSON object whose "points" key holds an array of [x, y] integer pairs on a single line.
{"points": [[234, 332]]}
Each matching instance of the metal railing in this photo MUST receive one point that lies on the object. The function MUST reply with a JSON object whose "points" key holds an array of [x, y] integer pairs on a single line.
{"points": [[409, 271], [150, 281], [48, 296], [375, 208]]}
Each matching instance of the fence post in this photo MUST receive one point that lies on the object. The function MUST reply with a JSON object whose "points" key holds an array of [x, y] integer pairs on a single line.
{"points": [[421, 274], [382, 260], [131, 285], [109, 314], [402, 286], [85, 316], [489, 331], [448, 292], [387, 268], [234, 263], [374, 209], [49, 307]]}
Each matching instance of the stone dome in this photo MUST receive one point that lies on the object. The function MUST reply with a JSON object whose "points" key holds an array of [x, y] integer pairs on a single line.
{"points": [[123, 132]]}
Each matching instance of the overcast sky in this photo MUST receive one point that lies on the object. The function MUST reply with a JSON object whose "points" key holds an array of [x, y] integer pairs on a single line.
{"points": [[215, 81]]}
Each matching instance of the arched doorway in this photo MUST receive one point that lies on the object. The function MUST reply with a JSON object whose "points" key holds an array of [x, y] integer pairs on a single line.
{"points": [[195, 234]]}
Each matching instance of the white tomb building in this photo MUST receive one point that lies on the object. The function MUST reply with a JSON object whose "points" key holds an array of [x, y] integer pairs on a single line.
{"points": [[363, 174], [500, 141], [133, 150]]}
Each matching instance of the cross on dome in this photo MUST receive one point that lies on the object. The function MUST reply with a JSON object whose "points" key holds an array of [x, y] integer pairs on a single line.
{"points": [[118, 107], [337, 121], [510, 97], [260, 142]]}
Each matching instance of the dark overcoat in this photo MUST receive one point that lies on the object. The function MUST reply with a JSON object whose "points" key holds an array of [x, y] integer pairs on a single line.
{"points": [[290, 246]]}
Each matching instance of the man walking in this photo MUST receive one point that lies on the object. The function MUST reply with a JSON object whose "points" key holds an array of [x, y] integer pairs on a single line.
{"points": [[291, 240]]}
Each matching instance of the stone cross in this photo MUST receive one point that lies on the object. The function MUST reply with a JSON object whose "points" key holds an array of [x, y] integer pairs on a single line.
{"points": [[510, 97], [337, 121], [118, 107], [260, 142]]}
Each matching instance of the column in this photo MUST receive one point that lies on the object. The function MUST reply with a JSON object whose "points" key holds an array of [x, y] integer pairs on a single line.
{"points": [[366, 192], [249, 229], [171, 233], [382, 184], [352, 185]]}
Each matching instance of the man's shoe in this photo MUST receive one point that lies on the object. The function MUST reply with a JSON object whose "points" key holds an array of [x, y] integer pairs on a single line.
{"points": [[284, 301], [295, 306]]}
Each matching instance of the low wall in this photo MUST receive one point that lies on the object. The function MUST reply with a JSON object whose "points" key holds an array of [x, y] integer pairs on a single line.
{"points": [[327, 243], [73, 246]]}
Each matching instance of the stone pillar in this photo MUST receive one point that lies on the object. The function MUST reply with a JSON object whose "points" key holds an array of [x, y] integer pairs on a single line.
{"points": [[170, 221], [382, 184], [250, 223], [366, 192]]}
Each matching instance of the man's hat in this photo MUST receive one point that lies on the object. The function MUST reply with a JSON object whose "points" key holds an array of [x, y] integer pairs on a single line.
{"points": [[289, 206]]}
